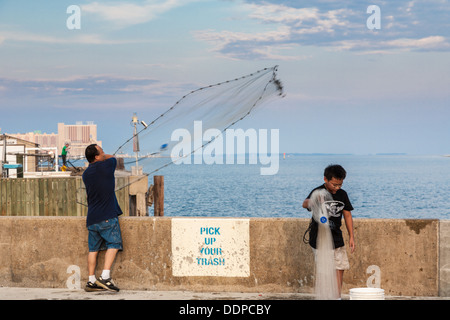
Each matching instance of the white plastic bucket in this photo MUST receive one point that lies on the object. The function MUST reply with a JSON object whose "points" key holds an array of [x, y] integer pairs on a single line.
{"points": [[366, 294]]}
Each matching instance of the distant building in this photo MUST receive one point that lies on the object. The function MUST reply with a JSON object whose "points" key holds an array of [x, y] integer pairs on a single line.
{"points": [[78, 135], [44, 140]]}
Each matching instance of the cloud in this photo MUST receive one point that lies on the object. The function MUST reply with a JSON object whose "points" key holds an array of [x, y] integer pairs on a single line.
{"points": [[126, 14], [242, 45], [102, 92], [312, 20], [427, 43], [292, 28], [431, 43], [76, 86], [88, 39], [406, 26]]}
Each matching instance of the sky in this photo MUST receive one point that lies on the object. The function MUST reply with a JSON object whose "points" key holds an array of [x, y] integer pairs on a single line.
{"points": [[349, 88]]}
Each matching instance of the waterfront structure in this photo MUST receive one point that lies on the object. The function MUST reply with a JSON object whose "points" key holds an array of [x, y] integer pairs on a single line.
{"points": [[13, 151], [78, 135]]}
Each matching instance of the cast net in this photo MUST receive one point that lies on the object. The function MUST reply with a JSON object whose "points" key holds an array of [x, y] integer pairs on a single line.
{"points": [[326, 287], [213, 108]]}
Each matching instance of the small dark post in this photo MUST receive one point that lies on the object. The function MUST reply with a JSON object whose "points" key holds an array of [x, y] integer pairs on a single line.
{"points": [[120, 164], [158, 195]]}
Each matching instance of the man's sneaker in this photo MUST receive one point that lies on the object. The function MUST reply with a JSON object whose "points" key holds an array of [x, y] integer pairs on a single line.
{"points": [[107, 284], [93, 287]]}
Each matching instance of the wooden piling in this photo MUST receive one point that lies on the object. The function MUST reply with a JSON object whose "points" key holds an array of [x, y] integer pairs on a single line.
{"points": [[158, 195]]}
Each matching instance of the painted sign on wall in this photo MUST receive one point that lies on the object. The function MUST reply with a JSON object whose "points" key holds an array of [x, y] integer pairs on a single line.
{"points": [[210, 247]]}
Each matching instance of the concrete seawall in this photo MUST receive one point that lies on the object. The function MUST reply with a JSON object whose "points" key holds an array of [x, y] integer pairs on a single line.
{"points": [[404, 257]]}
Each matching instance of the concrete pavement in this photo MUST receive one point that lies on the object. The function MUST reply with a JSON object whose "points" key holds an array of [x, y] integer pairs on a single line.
{"points": [[9, 293], [14, 293]]}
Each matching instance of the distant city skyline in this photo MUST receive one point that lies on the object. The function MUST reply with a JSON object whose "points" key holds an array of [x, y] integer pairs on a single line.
{"points": [[350, 87], [79, 135]]}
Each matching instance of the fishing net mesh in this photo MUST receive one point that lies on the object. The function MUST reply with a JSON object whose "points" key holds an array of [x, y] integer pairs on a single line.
{"points": [[218, 106], [326, 286]]}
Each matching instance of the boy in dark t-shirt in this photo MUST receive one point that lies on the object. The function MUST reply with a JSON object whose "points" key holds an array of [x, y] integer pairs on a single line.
{"points": [[334, 176], [102, 218]]}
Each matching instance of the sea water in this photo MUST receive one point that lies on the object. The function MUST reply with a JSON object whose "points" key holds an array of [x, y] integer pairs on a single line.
{"points": [[379, 186]]}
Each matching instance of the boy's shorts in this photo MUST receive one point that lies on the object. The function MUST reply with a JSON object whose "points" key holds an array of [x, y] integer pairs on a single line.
{"points": [[105, 235], [340, 258]]}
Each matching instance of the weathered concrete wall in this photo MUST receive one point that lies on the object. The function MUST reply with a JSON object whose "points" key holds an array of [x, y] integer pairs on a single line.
{"points": [[444, 258], [405, 251], [406, 257]]}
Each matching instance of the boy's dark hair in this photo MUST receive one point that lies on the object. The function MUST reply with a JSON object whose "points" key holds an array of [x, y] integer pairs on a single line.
{"points": [[335, 171], [91, 152]]}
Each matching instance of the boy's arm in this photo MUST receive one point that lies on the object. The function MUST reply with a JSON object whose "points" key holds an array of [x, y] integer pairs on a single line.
{"points": [[349, 224], [305, 204]]}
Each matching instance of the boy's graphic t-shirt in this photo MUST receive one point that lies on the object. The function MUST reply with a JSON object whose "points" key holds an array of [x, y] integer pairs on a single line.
{"points": [[340, 202]]}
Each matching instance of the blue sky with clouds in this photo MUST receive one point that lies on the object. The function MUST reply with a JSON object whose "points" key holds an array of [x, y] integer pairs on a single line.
{"points": [[348, 89]]}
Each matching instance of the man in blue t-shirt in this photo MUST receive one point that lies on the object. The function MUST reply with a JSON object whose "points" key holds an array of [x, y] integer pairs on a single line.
{"points": [[102, 218]]}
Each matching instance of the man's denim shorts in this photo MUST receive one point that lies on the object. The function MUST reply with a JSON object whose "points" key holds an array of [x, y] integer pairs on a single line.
{"points": [[105, 235]]}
